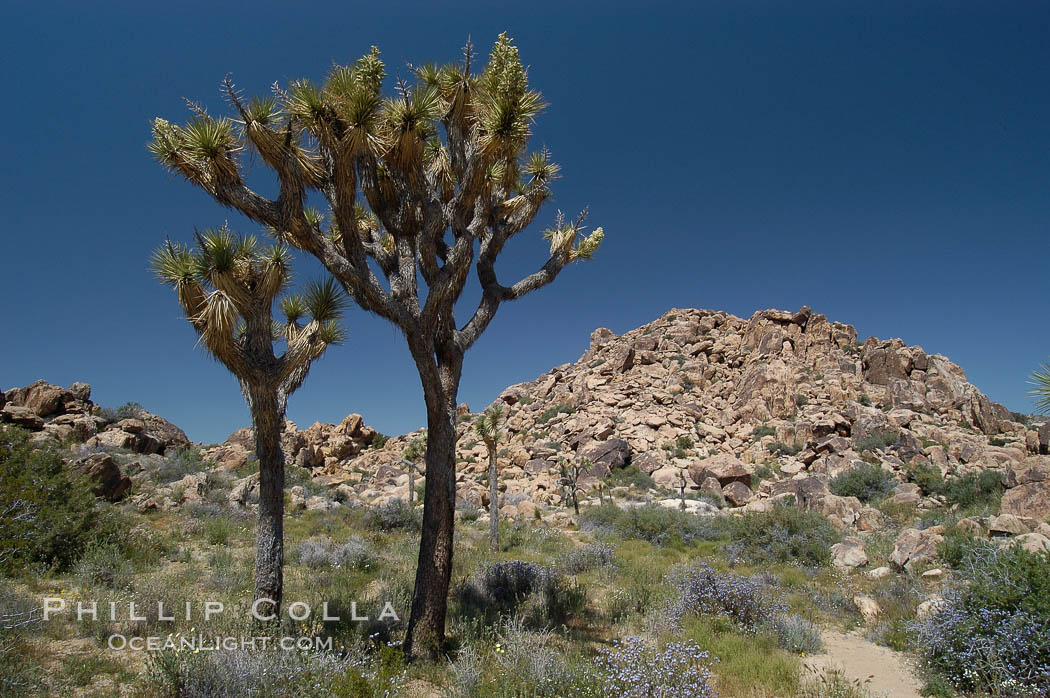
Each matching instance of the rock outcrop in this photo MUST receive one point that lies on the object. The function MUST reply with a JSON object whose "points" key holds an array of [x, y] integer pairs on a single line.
{"points": [[712, 397], [59, 414]]}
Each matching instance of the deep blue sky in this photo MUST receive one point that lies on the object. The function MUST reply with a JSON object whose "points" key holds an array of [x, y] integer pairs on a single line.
{"points": [[886, 165]]}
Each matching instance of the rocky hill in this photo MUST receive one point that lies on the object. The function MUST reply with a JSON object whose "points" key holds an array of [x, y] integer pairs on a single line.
{"points": [[746, 411], [700, 404]]}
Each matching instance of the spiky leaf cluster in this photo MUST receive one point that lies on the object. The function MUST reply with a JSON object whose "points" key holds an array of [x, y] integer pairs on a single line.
{"points": [[488, 424], [420, 184], [227, 285]]}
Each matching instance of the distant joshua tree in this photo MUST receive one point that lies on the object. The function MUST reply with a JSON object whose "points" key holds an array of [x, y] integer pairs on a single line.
{"points": [[487, 426], [423, 187], [227, 286], [410, 459]]}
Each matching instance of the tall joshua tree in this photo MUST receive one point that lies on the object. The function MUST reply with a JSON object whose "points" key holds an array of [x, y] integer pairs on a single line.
{"points": [[421, 187], [227, 286], [487, 426]]}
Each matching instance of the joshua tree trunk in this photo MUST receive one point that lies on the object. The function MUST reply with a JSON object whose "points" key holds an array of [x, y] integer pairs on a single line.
{"points": [[426, 624], [493, 503], [269, 549]]}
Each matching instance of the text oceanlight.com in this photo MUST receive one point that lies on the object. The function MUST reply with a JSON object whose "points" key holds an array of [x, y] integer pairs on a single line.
{"points": [[211, 643]]}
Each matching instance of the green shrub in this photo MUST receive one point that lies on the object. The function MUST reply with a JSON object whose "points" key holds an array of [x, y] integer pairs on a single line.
{"points": [[974, 490], [178, 465], [959, 549], [106, 566], [879, 440], [864, 481], [630, 476], [778, 448], [994, 632], [378, 441], [762, 472], [130, 410], [541, 596], [764, 430], [796, 634], [553, 412], [48, 515], [864, 400], [218, 530], [926, 476], [784, 534], [19, 620], [652, 523], [395, 515]]}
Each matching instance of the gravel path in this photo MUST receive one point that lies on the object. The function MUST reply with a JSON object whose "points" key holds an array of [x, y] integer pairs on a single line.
{"points": [[886, 672]]}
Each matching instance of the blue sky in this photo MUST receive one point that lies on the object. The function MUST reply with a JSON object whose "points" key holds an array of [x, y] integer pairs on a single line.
{"points": [[884, 163]]}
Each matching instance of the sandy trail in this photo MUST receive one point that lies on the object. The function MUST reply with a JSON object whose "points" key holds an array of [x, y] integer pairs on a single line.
{"points": [[858, 659]]}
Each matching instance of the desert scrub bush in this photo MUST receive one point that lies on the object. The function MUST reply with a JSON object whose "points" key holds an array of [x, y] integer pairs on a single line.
{"points": [[540, 595], [468, 512], [531, 657], [353, 553], [865, 481], [778, 448], [879, 440], [960, 548], [796, 634], [898, 596], [48, 514], [394, 515], [763, 430], [218, 530], [105, 566], [992, 635], [20, 618], [553, 412], [272, 673], [700, 590], [652, 523], [588, 558], [784, 534], [295, 476], [974, 490], [630, 476], [636, 595], [167, 469], [637, 668], [762, 472]]}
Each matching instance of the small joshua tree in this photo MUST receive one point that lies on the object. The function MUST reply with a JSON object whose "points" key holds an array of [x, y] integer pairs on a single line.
{"points": [[423, 187], [227, 286], [410, 459], [487, 426], [681, 487], [570, 482]]}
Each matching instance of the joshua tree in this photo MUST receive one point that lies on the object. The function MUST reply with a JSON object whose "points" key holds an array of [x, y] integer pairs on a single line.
{"points": [[410, 459], [421, 186], [570, 482], [227, 287], [487, 426], [1040, 381]]}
